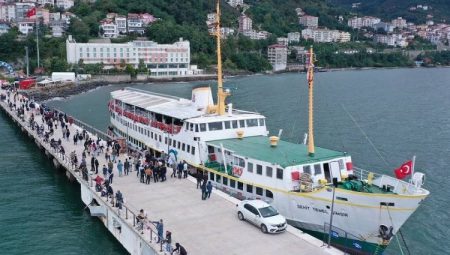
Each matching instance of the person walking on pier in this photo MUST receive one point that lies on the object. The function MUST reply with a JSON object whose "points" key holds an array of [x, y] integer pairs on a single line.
{"points": [[168, 242], [148, 175], [126, 166], [105, 171], [96, 165], [209, 189], [204, 191], [185, 169], [120, 167], [199, 177], [93, 164], [159, 229], [179, 169], [141, 173], [111, 175]]}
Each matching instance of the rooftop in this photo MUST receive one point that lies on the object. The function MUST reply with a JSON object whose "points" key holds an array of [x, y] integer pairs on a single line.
{"points": [[284, 154]]}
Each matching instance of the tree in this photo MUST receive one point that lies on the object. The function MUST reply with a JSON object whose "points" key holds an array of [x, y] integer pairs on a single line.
{"points": [[142, 68], [79, 30], [129, 69]]}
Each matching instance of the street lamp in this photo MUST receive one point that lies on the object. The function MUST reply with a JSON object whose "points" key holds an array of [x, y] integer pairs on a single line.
{"points": [[332, 210]]}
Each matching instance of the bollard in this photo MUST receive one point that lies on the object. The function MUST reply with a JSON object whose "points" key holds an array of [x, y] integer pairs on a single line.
{"points": [[151, 235], [126, 213]]}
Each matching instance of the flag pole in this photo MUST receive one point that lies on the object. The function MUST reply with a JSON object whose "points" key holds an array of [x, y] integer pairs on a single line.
{"points": [[37, 40], [412, 167]]}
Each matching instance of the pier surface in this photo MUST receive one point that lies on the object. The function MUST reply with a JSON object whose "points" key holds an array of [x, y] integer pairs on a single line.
{"points": [[203, 227]]}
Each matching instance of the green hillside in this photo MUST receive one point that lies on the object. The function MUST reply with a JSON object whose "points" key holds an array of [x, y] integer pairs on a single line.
{"points": [[440, 9]]}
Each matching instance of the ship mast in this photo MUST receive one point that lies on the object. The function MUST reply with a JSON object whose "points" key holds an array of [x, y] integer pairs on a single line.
{"points": [[310, 78], [221, 94]]}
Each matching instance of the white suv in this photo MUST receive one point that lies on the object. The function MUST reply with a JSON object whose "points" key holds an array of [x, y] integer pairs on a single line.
{"points": [[262, 215]]}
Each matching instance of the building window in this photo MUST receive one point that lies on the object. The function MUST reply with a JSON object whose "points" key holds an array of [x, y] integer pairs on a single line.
{"points": [[280, 173], [317, 169], [259, 169], [269, 171], [249, 188], [259, 191], [250, 167]]}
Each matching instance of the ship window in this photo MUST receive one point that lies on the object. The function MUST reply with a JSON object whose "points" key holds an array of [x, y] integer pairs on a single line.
{"points": [[259, 169], [179, 145], [211, 176], [191, 127], [225, 181], [280, 173], [165, 140], [252, 123], [234, 123], [183, 147], [317, 169], [259, 191], [261, 122], [218, 178], [193, 150], [342, 198], [341, 164], [196, 127], [202, 127], [232, 183], [188, 149], [215, 126], [242, 123], [307, 169], [269, 193], [269, 171], [227, 124], [174, 144], [240, 186], [250, 167], [160, 138], [249, 188]]}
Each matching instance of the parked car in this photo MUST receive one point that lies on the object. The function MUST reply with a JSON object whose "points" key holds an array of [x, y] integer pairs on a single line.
{"points": [[261, 214]]}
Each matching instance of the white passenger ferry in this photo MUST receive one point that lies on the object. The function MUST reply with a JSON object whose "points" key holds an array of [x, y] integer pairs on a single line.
{"points": [[307, 184]]}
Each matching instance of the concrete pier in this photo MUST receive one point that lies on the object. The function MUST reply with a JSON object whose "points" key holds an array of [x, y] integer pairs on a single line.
{"points": [[203, 227]]}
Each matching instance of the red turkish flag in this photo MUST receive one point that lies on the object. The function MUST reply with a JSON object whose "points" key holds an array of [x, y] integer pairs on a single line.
{"points": [[404, 170], [31, 12]]}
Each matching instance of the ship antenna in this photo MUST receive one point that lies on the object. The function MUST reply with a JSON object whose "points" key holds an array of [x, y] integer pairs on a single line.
{"points": [[221, 94], [310, 78]]}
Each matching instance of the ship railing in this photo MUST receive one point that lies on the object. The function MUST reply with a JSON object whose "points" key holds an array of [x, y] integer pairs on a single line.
{"points": [[153, 93], [387, 182], [341, 237]]}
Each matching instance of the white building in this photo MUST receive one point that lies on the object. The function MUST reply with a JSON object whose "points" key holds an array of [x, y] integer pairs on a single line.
{"points": [[245, 24], [387, 27], [26, 26], [22, 10], [399, 23], [46, 2], [309, 21], [367, 21], [256, 35], [344, 37], [320, 35], [293, 37], [64, 4], [4, 28], [121, 22], [210, 19], [277, 56], [161, 59], [135, 23], [7, 12], [391, 40], [108, 29], [236, 3], [283, 41]]}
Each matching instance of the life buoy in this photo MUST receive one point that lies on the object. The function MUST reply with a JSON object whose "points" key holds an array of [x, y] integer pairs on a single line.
{"points": [[237, 171]]}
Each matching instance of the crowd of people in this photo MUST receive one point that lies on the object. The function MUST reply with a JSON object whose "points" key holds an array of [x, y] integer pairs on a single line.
{"points": [[148, 167]]}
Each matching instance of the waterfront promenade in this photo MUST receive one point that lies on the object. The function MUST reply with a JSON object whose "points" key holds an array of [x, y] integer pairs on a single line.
{"points": [[202, 227]]}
